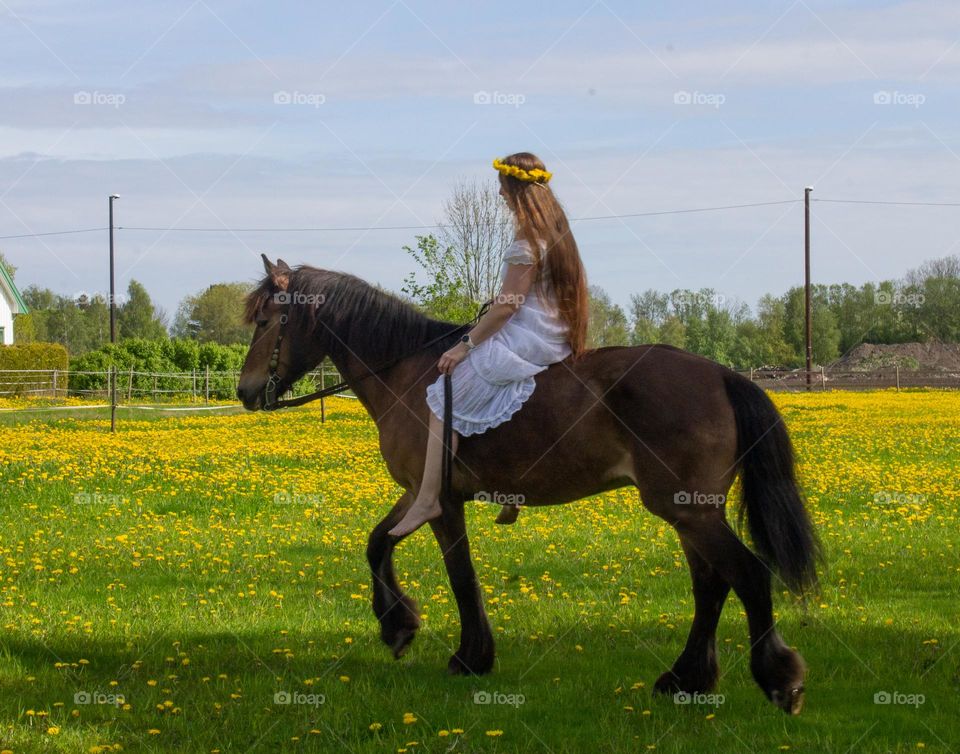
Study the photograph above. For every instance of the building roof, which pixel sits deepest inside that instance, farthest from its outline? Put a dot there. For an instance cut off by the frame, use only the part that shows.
(10, 289)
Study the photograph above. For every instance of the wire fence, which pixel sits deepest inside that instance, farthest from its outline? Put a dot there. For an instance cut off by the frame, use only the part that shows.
(205, 387)
(196, 387)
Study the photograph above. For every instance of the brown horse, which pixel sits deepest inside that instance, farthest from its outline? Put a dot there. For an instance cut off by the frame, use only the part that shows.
(677, 426)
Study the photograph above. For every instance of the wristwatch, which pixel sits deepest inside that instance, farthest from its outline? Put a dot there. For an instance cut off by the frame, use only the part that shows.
(467, 342)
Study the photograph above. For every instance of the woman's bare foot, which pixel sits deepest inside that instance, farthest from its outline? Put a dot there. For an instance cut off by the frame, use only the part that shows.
(508, 514)
(417, 516)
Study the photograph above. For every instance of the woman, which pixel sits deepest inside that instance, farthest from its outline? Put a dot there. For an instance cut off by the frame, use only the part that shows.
(538, 319)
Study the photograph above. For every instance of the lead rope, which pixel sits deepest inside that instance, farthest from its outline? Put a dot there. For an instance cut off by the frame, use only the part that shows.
(446, 478)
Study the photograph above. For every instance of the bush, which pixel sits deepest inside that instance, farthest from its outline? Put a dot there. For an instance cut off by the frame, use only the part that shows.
(32, 356)
(176, 360)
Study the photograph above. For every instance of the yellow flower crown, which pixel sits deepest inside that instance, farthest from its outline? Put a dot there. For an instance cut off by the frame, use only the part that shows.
(531, 176)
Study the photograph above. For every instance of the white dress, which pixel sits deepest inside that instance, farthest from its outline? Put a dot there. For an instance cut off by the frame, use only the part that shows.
(493, 381)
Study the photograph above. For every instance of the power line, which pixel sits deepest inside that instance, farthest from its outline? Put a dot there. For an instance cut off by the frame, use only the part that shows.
(54, 233)
(901, 204)
(440, 225)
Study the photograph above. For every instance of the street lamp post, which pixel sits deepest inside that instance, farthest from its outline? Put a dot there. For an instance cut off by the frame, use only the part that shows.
(113, 326)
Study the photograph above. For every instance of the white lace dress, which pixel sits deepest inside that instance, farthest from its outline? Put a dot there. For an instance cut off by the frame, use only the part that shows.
(492, 382)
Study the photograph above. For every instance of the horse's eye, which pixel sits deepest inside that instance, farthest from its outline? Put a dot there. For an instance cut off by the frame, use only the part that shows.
(262, 322)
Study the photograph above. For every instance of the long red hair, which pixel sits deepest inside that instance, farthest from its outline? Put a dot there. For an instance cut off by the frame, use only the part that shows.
(540, 218)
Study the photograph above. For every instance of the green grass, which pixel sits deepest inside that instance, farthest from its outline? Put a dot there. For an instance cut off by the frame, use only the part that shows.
(198, 598)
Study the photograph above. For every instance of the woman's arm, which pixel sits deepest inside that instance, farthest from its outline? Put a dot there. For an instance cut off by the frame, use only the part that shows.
(516, 284)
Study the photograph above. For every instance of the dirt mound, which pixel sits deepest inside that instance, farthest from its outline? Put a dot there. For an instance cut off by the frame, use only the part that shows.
(941, 357)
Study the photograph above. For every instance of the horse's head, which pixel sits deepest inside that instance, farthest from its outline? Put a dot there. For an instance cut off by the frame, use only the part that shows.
(281, 351)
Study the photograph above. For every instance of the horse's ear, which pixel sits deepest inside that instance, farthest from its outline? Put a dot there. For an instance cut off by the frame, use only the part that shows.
(278, 273)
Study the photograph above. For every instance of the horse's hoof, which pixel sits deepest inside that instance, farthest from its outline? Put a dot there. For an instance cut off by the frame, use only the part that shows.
(671, 682)
(401, 642)
(480, 666)
(790, 701)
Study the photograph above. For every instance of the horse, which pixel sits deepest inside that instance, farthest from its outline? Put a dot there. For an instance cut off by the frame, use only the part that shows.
(675, 425)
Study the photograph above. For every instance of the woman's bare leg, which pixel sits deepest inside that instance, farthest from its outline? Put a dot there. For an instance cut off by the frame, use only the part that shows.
(427, 505)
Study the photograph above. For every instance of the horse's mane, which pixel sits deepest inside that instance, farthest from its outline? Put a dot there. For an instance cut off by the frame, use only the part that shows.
(367, 320)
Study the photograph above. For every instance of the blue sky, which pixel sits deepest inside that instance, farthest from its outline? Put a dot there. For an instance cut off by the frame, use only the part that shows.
(240, 114)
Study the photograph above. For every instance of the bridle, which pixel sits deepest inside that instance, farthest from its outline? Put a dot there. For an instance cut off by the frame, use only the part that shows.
(270, 397)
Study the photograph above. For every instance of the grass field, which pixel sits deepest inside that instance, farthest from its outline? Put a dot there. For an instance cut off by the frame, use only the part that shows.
(198, 584)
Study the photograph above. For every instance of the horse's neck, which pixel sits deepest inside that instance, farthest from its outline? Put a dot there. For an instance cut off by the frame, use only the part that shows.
(381, 391)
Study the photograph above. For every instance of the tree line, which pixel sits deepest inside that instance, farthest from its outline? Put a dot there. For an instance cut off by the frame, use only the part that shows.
(458, 268)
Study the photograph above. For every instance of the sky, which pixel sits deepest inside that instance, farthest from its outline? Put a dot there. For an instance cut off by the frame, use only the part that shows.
(239, 115)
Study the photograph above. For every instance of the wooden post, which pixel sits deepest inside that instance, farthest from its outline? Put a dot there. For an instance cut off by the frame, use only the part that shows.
(130, 387)
(154, 393)
(823, 379)
(898, 378)
(56, 379)
(751, 374)
(206, 386)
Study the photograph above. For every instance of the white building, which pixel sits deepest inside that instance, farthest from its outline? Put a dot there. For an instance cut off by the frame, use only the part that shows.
(11, 303)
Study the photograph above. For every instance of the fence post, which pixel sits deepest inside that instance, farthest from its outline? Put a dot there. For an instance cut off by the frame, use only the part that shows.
(751, 374)
(898, 378)
(130, 387)
(823, 378)
(154, 393)
(56, 379)
(206, 385)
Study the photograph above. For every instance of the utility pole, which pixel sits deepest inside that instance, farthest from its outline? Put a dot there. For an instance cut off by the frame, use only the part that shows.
(113, 326)
(808, 306)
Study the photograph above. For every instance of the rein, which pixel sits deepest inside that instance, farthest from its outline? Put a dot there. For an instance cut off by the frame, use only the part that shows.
(270, 390)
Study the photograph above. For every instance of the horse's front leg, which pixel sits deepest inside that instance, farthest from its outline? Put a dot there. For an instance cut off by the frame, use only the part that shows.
(398, 614)
(475, 654)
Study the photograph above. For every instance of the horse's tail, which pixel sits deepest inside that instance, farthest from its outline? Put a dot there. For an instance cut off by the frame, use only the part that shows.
(777, 519)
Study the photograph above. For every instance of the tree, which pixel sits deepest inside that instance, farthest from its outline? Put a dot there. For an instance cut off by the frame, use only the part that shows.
(443, 296)
(11, 270)
(608, 323)
(477, 228)
(214, 315)
(825, 335)
(138, 317)
(648, 312)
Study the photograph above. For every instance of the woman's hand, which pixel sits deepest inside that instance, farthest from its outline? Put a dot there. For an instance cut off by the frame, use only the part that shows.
(448, 362)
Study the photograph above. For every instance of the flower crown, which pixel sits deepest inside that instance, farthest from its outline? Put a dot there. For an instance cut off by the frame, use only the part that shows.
(531, 176)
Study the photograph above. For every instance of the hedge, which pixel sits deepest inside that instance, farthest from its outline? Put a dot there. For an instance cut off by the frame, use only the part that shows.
(31, 356)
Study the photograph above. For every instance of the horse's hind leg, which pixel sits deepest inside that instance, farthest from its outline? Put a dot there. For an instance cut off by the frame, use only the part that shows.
(696, 667)
(398, 614)
(777, 669)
